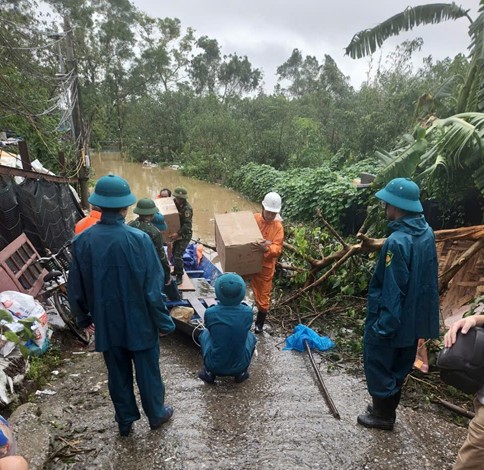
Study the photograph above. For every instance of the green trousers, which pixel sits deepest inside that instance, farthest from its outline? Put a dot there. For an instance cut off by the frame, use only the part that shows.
(179, 247)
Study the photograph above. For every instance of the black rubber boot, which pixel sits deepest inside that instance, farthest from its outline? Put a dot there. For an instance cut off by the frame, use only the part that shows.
(241, 377)
(259, 322)
(396, 399)
(382, 416)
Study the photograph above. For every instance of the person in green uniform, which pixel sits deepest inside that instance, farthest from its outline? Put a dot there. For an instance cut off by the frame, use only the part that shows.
(146, 210)
(181, 238)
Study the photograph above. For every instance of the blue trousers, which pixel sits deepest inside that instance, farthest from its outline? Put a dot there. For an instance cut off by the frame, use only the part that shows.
(386, 368)
(119, 362)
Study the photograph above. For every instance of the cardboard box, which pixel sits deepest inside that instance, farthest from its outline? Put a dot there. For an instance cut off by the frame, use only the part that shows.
(234, 234)
(167, 207)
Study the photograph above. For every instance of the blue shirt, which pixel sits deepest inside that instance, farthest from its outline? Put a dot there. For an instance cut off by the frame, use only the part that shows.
(114, 281)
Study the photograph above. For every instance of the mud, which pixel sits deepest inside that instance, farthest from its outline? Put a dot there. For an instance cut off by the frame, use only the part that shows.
(276, 419)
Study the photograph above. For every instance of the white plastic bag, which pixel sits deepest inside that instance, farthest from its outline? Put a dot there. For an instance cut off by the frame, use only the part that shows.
(20, 305)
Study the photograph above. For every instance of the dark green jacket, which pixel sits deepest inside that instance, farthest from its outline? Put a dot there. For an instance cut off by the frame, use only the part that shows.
(157, 239)
(186, 215)
(403, 295)
(114, 280)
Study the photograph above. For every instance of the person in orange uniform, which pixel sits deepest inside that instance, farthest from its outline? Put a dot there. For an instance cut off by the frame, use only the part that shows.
(270, 225)
(93, 218)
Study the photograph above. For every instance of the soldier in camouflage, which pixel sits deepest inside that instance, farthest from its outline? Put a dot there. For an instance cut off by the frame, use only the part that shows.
(181, 238)
(146, 210)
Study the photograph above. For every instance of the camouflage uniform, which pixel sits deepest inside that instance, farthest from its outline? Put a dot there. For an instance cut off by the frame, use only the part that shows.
(179, 246)
(157, 239)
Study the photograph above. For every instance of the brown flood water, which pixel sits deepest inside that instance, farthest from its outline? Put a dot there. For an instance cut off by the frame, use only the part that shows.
(206, 199)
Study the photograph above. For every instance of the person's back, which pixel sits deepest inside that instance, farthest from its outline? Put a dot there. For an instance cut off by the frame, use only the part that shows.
(115, 278)
(227, 342)
(146, 211)
(229, 328)
(114, 284)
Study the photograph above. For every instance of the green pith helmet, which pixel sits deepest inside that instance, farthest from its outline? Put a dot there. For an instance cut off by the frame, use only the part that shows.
(180, 192)
(230, 289)
(112, 192)
(402, 193)
(145, 206)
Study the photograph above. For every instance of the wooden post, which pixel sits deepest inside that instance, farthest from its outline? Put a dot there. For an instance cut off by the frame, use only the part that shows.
(24, 155)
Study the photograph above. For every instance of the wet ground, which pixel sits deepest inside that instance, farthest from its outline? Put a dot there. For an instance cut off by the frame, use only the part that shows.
(275, 420)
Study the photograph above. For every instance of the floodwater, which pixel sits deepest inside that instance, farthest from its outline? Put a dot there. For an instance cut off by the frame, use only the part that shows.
(206, 199)
(277, 419)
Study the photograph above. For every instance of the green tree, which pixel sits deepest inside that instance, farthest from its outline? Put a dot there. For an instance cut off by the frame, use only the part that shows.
(456, 142)
(302, 75)
(32, 99)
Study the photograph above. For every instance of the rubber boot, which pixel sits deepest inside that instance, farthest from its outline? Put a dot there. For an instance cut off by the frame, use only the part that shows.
(206, 376)
(259, 322)
(396, 399)
(382, 416)
(241, 377)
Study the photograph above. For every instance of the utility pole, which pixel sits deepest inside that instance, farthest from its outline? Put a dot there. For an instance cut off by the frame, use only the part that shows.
(79, 135)
(62, 74)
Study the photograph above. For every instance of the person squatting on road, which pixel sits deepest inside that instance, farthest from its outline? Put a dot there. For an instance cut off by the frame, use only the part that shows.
(116, 276)
(146, 211)
(227, 342)
(471, 454)
(181, 238)
(403, 301)
(270, 225)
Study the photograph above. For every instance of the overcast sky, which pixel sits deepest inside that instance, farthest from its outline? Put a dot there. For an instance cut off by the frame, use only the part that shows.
(267, 31)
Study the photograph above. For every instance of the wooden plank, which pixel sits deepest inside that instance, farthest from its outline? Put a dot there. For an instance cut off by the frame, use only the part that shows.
(186, 285)
(210, 301)
(9, 171)
(196, 304)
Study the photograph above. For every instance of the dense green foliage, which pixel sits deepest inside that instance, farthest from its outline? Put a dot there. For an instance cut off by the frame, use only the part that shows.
(156, 90)
(325, 188)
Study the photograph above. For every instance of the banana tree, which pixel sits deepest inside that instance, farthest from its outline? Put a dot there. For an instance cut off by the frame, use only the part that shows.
(457, 142)
(471, 95)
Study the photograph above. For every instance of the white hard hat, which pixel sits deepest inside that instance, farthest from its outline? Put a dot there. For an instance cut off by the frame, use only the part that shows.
(272, 202)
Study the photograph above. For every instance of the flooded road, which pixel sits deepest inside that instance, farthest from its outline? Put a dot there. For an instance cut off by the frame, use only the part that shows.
(206, 199)
(275, 420)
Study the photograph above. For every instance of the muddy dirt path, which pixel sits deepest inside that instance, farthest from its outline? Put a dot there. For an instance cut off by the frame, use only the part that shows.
(277, 419)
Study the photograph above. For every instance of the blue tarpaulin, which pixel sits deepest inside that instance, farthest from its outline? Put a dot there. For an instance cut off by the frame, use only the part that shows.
(301, 333)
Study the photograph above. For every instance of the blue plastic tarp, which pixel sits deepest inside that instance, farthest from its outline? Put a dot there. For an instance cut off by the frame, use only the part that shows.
(301, 333)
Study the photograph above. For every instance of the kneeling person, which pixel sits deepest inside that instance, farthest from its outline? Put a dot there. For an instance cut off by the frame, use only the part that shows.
(227, 342)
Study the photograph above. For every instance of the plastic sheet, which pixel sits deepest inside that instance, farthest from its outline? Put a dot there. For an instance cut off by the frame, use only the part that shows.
(315, 341)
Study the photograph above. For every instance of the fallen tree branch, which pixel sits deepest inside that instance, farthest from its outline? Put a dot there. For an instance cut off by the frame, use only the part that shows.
(368, 245)
(290, 267)
(325, 276)
(307, 258)
(456, 409)
(331, 229)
